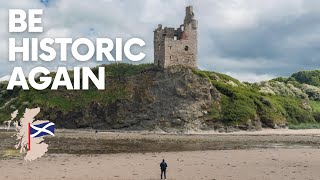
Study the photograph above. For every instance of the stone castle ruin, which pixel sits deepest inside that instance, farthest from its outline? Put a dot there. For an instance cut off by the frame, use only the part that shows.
(177, 46)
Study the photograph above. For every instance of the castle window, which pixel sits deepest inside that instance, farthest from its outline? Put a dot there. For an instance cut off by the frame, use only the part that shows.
(164, 34)
(186, 48)
(170, 57)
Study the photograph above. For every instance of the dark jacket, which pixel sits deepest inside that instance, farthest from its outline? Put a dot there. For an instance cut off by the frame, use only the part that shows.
(163, 166)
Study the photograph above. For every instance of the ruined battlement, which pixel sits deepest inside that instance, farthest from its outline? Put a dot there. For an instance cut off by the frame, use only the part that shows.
(177, 46)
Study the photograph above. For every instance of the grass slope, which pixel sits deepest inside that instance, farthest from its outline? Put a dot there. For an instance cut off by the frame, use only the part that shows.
(243, 102)
(68, 100)
(240, 103)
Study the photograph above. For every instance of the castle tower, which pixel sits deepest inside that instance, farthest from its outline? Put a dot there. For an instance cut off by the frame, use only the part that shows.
(177, 46)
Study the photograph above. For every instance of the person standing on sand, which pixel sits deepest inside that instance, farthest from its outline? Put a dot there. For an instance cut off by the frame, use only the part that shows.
(163, 167)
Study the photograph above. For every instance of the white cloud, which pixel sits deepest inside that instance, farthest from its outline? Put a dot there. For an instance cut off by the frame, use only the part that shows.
(5, 78)
(250, 77)
(238, 36)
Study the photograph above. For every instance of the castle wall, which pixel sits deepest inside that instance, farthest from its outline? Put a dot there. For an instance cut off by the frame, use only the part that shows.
(180, 52)
(177, 46)
(159, 47)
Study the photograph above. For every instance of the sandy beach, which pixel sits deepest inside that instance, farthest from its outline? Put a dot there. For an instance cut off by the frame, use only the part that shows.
(225, 164)
(270, 154)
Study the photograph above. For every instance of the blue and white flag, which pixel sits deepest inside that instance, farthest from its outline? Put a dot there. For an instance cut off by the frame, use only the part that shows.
(43, 129)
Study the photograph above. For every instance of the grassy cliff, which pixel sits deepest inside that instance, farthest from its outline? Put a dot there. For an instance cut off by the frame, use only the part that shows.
(65, 100)
(242, 103)
(280, 102)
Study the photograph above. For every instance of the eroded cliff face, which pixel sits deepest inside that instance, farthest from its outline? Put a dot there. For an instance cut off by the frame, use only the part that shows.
(175, 99)
(170, 99)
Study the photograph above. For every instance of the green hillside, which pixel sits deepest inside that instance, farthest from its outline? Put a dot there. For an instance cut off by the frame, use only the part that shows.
(277, 103)
(66, 100)
(241, 102)
(308, 77)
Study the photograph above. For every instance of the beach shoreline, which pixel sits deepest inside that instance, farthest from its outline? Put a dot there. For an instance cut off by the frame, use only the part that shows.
(106, 142)
(85, 154)
(263, 131)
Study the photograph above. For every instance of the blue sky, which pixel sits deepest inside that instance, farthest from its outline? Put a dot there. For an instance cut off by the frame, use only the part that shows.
(252, 40)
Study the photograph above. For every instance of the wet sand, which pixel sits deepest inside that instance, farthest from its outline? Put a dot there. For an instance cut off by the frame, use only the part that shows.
(225, 165)
(274, 154)
(88, 142)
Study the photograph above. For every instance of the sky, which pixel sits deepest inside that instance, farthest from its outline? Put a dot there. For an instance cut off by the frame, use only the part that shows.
(251, 40)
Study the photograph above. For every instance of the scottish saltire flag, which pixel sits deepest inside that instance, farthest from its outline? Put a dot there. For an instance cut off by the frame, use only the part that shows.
(43, 129)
